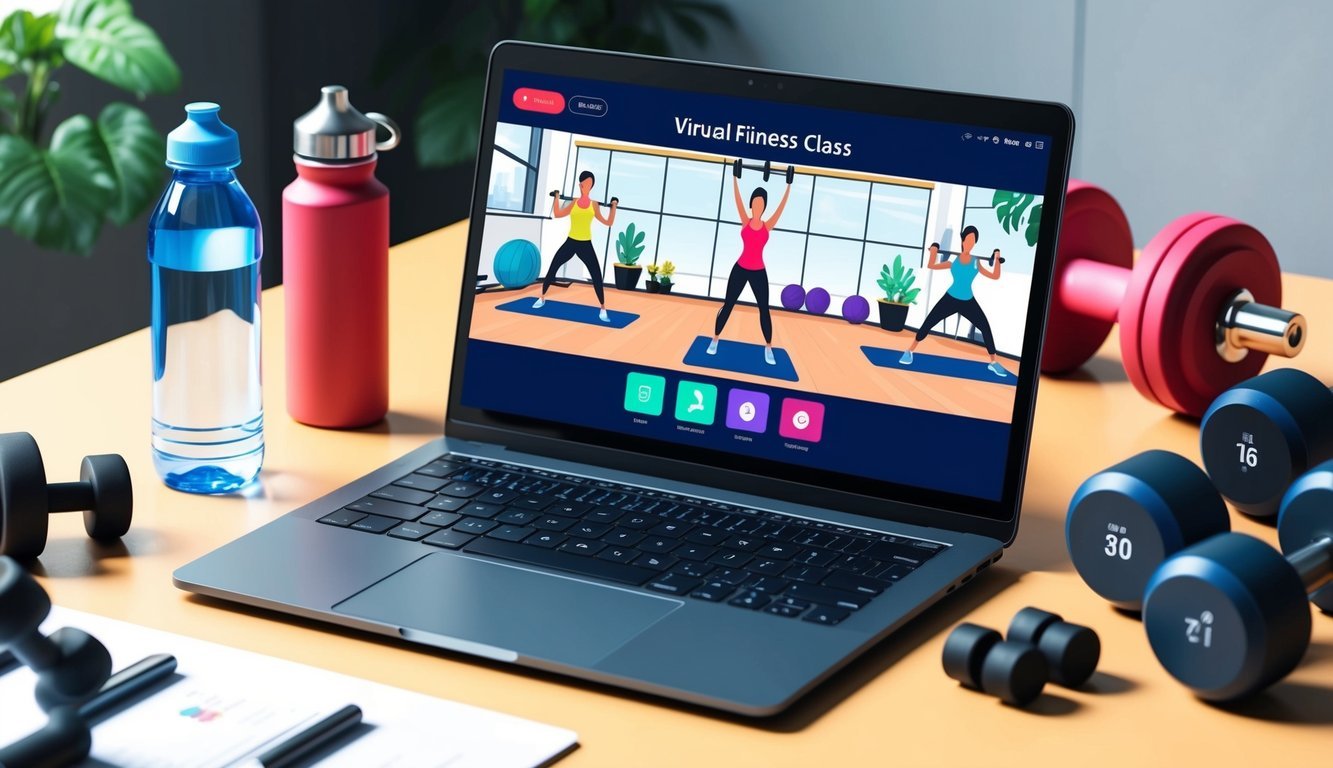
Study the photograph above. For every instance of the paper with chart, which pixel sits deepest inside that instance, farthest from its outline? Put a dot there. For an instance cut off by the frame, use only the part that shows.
(225, 705)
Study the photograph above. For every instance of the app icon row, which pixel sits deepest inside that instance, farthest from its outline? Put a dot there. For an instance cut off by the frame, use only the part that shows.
(747, 410)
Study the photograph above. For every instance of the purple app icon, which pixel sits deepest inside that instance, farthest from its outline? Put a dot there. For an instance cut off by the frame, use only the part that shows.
(747, 410)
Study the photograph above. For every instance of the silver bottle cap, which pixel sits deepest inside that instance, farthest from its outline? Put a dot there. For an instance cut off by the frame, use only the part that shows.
(335, 131)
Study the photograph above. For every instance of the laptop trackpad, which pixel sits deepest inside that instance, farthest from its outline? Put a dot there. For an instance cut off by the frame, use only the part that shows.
(499, 611)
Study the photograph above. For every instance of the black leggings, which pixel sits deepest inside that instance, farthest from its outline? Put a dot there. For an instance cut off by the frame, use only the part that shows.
(582, 249)
(758, 281)
(970, 309)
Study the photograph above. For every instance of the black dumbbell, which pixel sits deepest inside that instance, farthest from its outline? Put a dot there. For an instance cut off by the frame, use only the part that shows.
(567, 198)
(1071, 650)
(982, 660)
(737, 167)
(71, 665)
(1124, 521)
(103, 493)
(990, 258)
(1263, 433)
(65, 740)
(1228, 617)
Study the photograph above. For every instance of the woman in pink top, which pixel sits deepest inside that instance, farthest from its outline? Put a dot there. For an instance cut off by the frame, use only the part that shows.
(749, 268)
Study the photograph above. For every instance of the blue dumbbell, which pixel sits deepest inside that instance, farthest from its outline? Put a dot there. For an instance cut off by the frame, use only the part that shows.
(1228, 617)
(1126, 520)
(1263, 433)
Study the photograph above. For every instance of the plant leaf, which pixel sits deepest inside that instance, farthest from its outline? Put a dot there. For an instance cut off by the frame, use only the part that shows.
(103, 38)
(639, 237)
(1034, 225)
(446, 126)
(25, 36)
(56, 197)
(133, 153)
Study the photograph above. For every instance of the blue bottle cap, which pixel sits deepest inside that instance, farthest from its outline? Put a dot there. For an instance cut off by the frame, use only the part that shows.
(203, 141)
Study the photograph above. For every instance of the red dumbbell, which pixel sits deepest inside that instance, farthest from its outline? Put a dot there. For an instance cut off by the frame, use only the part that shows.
(1199, 312)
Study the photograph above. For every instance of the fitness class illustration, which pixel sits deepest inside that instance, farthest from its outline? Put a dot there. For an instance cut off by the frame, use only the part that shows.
(793, 304)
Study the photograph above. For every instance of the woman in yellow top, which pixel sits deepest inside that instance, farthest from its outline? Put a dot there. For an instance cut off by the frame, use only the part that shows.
(581, 212)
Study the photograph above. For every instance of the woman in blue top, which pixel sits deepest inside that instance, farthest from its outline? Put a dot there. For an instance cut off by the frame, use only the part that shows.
(958, 300)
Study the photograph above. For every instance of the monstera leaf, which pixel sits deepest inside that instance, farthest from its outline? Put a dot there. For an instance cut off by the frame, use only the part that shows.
(56, 197)
(103, 38)
(1010, 208)
(446, 126)
(133, 151)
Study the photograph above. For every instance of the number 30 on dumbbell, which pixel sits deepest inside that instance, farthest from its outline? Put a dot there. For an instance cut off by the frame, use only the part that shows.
(737, 167)
(1199, 311)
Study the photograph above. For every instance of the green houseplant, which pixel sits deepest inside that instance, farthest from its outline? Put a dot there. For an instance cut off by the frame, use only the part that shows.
(59, 192)
(1015, 212)
(896, 282)
(629, 247)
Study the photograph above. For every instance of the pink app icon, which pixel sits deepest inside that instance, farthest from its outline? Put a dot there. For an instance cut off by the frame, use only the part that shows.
(801, 420)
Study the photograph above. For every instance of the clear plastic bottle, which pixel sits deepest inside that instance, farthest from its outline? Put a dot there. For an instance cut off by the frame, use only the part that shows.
(204, 248)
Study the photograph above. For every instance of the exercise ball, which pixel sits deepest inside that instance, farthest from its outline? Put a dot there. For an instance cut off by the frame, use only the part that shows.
(517, 263)
(855, 309)
(817, 301)
(793, 296)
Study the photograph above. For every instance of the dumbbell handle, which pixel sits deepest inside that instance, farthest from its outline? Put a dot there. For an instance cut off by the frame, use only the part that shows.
(36, 652)
(1098, 289)
(70, 497)
(1314, 564)
(599, 202)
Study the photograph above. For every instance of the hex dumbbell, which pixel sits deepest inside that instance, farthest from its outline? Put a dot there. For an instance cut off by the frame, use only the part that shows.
(1199, 311)
(738, 167)
(1124, 521)
(1071, 650)
(103, 493)
(980, 659)
(1228, 617)
(1263, 433)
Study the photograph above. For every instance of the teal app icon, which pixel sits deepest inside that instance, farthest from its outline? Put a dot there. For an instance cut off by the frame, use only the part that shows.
(696, 402)
(644, 393)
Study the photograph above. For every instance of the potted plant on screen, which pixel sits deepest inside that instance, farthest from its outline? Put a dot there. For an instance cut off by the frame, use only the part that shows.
(898, 294)
(629, 247)
(665, 272)
(652, 285)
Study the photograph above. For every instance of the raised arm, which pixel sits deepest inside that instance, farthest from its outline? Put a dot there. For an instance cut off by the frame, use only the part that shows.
(773, 220)
(558, 212)
(597, 211)
(933, 262)
(740, 206)
(994, 271)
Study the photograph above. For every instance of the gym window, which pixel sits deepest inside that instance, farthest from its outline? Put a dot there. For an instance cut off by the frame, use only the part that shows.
(514, 168)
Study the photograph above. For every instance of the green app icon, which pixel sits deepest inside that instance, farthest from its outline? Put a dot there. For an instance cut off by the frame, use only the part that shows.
(644, 393)
(696, 402)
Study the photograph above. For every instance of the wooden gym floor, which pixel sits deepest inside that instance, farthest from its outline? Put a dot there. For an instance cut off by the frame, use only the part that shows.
(826, 351)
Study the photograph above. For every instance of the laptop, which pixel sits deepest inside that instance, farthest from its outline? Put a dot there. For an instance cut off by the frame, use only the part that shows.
(744, 381)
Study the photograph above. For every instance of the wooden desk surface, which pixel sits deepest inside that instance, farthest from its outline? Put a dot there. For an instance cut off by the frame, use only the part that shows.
(894, 705)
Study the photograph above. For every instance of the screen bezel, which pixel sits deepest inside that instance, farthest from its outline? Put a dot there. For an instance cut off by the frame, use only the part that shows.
(816, 487)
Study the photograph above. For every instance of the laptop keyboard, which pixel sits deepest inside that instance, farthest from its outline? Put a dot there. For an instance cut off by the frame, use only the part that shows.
(704, 550)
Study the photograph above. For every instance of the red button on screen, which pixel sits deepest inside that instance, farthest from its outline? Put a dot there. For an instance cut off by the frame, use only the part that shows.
(536, 100)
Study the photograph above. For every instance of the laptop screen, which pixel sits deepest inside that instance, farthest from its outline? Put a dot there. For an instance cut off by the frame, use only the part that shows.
(815, 288)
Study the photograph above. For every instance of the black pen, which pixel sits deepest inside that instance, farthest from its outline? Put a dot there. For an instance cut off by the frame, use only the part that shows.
(127, 683)
(305, 743)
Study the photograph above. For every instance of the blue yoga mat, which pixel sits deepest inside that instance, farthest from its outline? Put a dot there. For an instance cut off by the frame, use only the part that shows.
(938, 365)
(563, 310)
(740, 357)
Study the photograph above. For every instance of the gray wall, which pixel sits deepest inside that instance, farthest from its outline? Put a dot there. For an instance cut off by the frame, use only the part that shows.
(1218, 105)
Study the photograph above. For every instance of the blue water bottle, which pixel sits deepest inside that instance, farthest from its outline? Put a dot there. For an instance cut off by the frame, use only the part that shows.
(204, 246)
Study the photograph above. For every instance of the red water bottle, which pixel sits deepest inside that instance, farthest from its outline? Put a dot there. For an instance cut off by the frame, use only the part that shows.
(335, 266)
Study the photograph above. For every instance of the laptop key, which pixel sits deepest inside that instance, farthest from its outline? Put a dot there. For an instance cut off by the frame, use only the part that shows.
(673, 584)
(765, 567)
(412, 531)
(692, 569)
(750, 599)
(405, 495)
(730, 558)
(481, 509)
(806, 573)
(438, 469)
(777, 552)
(770, 584)
(421, 483)
(552, 523)
(386, 508)
(342, 518)
(585, 547)
(655, 561)
(658, 545)
(589, 530)
(532, 502)
(568, 508)
(440, 519)
(855, 546)
(546, 539)
(475, 525)
(697, 552)
(374, 524)
(637, 522)
(705, 536)
(792, 602)
(855, 563)
(511, 533)
(619, 554)
(816, 593)
(516, 516)
(713, 591)
(670, 529)
(886, 551)
(816, 557)
(604, 515)
(825, 615)
(497, 496)
(855, 583)
(744, 543)
(595, 567)
(449, 539)
(446, 503)
(786, 611)
(624, 537)
(462, 490)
